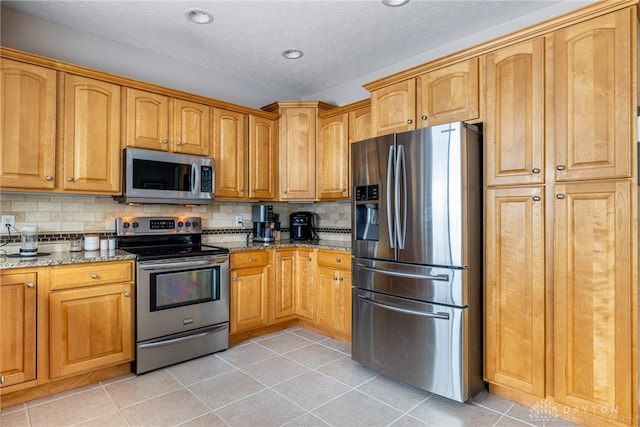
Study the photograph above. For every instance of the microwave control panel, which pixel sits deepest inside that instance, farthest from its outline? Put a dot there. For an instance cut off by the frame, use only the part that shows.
(206, 179)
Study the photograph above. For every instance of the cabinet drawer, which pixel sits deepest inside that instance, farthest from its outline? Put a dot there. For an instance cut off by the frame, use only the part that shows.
(248, 259)
(331, 259)
(90, 274)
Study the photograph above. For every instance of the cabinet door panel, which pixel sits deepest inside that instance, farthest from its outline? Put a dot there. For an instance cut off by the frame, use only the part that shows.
(192, 128)
(248, 298)
(592, 94)
(90, 328)
(448, 94)
(333, 158)
(285, 283)
(393, 108)
(146, 120)
(360, 124)
(91, 136)
(230, 153)
(514, 289)
(27, 126)
(514, 126)
(298, 153)
(305, 284)
(262, 158)
(593, 296)
(18, 327)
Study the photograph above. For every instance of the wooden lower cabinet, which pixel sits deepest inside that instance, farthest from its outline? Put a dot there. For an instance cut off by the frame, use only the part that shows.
(514, 293)
(91, 322)
(593, 298)
(333, 291)
(249, 290)
(18, 297)
(285, 282)
(305, 284)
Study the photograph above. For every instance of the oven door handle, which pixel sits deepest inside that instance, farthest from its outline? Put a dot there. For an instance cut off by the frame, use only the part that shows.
(183, 339)
(182, 264)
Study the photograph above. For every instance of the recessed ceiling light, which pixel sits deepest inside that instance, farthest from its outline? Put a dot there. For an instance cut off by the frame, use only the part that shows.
(394, 3)
(199, 16)
(292, 54)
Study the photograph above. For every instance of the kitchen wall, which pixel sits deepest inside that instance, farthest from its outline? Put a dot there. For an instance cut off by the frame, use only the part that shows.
(59, 216)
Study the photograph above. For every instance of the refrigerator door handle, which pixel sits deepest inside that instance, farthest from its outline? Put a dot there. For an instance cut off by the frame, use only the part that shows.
(437, 315)
(401, 198)
(438, 277)
(392, 240)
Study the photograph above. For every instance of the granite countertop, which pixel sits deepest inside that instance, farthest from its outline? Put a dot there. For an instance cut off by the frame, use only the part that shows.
(334, 245)
(63, 258)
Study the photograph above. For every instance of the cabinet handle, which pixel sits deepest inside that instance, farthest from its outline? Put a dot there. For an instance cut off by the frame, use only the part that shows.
(30, 285)
(560, 167)
(165, 141)
(70, 178)
(1, 379)
(409, 121)
(536, 198)
(179, 143)
(560, 196)
(94, 276)
(536, 170)
(48, 178)
(424, 117)
(127, 294)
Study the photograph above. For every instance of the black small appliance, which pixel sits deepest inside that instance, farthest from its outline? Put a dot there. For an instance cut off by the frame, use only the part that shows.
(264, 223)
(303, 226)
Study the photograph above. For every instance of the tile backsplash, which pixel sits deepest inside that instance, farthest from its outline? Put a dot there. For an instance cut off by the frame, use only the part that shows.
(55, 214)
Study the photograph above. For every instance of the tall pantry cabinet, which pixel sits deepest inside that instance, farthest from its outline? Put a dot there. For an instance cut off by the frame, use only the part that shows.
(561, 219)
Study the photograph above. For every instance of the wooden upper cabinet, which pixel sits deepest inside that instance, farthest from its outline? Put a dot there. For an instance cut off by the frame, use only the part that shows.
(448, 94)
(333, 158)
(18, 294)
(594, 297)
(514, 127)
(146, 118)
(263, 160)
(360, 124)
(591, 66)
(192, 127)
(514, 290)
(393, 108)
(230, 146)
(27, 126)
(91, 156)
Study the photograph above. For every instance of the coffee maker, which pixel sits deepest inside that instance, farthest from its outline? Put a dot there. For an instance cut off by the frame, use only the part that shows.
(263, 223)
(303, 225)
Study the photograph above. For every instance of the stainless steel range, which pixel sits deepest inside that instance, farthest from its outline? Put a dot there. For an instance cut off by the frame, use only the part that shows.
(182, 290)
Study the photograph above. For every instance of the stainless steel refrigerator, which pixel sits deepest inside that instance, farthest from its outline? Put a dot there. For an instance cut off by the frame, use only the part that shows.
(417, 266)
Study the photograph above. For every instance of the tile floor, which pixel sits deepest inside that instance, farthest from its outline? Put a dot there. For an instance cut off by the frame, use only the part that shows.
(295, 377)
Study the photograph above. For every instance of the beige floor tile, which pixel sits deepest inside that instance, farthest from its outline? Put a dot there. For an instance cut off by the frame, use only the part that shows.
(113, 419)
(199, 369)
(546, 414)
(349, 372)
(276, 370)
(409, 421)
(309, 334)
(507, 421)
(63, 394)
(246, 354)
(142, 387)
(262, 409)
(395, 393)
(306, 420)
(311, 390)
(166, 410)
(491, 401)
(15, 419)
(356, 409)
(315, 356)
(285, 343)
(72, 409)
(438, 411)
(117, 379)
(209, 419)
(341, 346)
(225, 389)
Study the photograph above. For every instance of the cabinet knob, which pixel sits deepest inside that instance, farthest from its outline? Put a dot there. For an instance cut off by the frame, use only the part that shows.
(335, 278)
(424, 117)
(284, 191)
(536, 170)
(94, 276)
(30, 285)
(560, 167)
(242, 189)
(341, 278)
(178, 142)
(1, 379)
(127, 294)
(70, 178)
(409, 121)
(48, 178)
(338, 260)
(560, 196)
(536, 198)
(165, 141)
(235, 279)
(309, 259)
(344, 190)
(250, 259)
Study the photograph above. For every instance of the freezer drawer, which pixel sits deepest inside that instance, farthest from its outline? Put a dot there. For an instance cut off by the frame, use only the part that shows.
(439, 285)
(421, 344)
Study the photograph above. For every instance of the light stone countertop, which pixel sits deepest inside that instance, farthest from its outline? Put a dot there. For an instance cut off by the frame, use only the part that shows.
(334, 245)
(63, 258)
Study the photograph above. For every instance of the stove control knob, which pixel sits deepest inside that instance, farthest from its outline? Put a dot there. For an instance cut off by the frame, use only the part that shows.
(125, 225)
(180, 224)
(195, 223)
(188, 224)
(135, 225)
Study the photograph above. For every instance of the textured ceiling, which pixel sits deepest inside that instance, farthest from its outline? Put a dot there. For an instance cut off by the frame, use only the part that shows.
(341, 40)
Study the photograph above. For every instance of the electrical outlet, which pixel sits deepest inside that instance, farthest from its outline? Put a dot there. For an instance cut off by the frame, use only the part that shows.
(8, 220)
(239, 220)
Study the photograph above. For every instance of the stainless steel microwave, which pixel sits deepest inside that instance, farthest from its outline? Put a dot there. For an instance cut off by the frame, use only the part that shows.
(159, 177)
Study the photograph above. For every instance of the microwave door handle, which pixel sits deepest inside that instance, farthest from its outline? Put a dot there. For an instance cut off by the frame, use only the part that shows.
(390, 224)
(194, 175)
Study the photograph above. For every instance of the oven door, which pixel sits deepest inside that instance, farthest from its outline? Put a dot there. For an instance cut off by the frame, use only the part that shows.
(178, 295)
